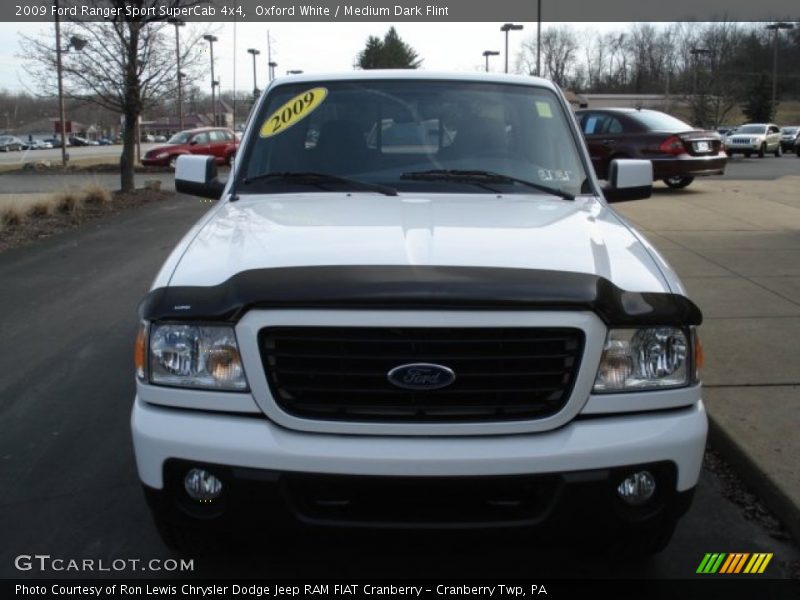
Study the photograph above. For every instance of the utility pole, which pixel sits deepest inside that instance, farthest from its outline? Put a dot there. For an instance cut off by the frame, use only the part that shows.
(61, 114)
(178, 24)
(255, 53)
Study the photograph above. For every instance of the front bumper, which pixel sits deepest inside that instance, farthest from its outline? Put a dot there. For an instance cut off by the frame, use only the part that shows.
(156, 162)
(676, 436)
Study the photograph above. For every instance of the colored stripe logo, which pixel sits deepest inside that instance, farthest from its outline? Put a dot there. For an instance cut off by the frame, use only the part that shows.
(734, 563)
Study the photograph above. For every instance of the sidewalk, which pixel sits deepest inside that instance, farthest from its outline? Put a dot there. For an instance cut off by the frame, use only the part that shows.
(736, 246)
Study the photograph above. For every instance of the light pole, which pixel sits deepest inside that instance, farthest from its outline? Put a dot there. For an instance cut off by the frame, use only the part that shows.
(506, 28)
(699, 109)
(539, 38)
(78, 44)
(255, 53)
(487, 54)
(211, 39)
(775, 27)
(272, 65)
(178, 24)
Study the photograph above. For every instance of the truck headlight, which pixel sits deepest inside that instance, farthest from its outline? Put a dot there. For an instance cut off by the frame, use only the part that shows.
(196, 356)
(644, 359)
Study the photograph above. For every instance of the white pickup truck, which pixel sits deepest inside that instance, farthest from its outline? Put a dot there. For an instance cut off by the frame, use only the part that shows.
(412, 307)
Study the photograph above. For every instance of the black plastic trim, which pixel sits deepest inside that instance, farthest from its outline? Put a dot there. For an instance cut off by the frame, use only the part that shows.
(417, 287)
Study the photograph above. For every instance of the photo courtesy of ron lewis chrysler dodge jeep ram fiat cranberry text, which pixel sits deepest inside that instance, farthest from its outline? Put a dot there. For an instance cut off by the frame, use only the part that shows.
(413, 307)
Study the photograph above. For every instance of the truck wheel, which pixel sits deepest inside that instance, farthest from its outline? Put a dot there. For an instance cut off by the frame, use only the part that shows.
(762, 151)
(778, 151)
(677, 182)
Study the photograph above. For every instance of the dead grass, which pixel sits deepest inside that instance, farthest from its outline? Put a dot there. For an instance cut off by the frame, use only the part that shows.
(10, 217)
(69, 202)
(40, 209)
(96, 194)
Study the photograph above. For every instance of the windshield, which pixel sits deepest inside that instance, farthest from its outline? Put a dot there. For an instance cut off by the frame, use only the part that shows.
(751, 129)
(180, 138)
(380, 131)
(657, 121)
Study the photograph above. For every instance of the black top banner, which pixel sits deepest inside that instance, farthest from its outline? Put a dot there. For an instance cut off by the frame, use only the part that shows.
(402, 10)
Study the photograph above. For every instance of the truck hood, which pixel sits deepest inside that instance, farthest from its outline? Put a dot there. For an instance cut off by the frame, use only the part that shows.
(480, 230)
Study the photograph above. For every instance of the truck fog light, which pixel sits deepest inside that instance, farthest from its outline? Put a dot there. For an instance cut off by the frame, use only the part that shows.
(202, 485)
(638, 488)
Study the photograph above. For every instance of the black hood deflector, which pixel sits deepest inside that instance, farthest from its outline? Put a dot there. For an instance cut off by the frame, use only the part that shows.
(417, 287)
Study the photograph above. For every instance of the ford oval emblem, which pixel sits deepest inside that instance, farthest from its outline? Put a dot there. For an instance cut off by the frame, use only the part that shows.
(421, 376)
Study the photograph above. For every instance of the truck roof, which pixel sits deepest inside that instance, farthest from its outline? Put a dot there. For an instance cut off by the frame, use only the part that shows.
(415, 74)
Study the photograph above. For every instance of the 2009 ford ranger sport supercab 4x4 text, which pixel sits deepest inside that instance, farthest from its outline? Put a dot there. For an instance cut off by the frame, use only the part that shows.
(413, 307)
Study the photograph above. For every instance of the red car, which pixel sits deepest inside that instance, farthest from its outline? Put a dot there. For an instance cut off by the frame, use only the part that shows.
(212, 141)
(678, 151)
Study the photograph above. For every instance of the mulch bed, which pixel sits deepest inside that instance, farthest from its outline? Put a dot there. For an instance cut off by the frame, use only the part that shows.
(32, 229)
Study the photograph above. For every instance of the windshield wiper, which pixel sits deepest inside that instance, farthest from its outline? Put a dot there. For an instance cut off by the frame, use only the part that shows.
(482, 177)
(320, 179)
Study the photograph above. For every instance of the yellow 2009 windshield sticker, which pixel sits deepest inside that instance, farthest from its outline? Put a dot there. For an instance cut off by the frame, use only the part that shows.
(293, 111)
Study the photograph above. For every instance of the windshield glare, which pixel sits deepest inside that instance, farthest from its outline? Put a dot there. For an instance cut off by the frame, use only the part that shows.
(376, 131)
(180, 138)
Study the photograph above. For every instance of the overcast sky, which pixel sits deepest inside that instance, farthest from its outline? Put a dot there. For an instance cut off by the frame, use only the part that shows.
(320, 47)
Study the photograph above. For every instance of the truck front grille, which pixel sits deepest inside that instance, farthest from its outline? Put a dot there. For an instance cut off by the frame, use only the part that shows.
(341, 373)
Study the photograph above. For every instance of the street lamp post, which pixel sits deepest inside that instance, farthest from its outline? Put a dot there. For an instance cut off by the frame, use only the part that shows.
(775, 27)
(539, 38)
(211, 39)
(255, 53)
(178, 24)
(699, 112)
(487, 54)
(506, 28)
(78, 44)
(272, 65)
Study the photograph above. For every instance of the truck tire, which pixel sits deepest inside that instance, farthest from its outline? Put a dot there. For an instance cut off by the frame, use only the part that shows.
(762, 151)
(678, 182)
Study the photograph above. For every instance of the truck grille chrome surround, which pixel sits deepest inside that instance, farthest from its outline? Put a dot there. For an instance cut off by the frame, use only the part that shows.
(501, 373)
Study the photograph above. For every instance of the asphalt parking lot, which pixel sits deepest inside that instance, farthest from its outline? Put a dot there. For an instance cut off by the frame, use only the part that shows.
(68, 485)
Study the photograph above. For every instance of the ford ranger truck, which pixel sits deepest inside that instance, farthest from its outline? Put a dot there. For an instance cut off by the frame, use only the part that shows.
(413, 307)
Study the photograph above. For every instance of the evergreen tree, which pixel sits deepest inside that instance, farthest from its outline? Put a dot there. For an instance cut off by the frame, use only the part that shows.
(389, 53)
(758, 103)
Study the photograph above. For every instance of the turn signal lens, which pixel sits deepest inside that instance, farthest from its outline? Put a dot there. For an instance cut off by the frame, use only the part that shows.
(699, 356)
(140, 350)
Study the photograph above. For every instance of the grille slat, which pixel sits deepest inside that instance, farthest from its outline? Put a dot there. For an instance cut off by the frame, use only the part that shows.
(340, 373)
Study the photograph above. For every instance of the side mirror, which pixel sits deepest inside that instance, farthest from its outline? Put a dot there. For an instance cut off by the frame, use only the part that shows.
(629, 180)
(197, 175)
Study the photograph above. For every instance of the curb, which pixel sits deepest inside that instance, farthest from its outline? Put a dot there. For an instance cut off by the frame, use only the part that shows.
(769, 491)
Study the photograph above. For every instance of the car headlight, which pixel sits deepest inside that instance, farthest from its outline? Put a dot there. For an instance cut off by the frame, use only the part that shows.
(188, 355)
(162, 155)
(645, 359)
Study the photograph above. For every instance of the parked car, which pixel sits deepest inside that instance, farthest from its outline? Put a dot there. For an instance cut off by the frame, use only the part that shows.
(789, 135)
(38, 145)
(160, 138)
(755, 138)
(797, 147)
(10, 142)
(76, 140)
(148, 138)
(462, 334)
(105, 142)
(214, 141)
(678, 151)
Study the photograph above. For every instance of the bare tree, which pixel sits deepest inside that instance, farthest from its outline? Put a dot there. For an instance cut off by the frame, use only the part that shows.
(559, 54)
(127, 66)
